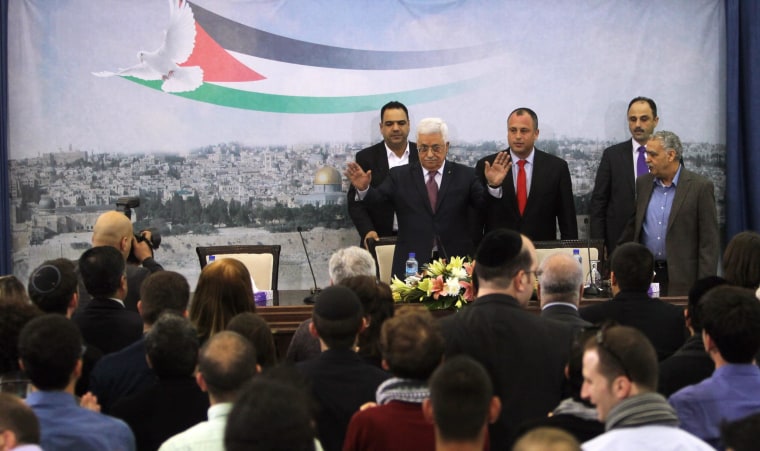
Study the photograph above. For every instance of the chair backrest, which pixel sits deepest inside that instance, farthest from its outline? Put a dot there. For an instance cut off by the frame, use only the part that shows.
(382, 251)
(547, 248)
(262, 261)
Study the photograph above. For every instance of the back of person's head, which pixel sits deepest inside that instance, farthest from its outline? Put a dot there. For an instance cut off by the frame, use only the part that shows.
(350, 261)
(412, 343)
(18, 418)
(224, 289)
(547, 439)
(633, 265)
(257, 331)
(114, 229)
(741, 260)
(500, 256)
(172, 347)
(696, 294)
(102, 269)
(53, 284)
(377, 302)
(163, 291)
(560, 277)
(12, 289)
(270, 415)
(742, 434)
(49, 348)
(337, 317)
(227, 362)
(461, 393)
(731, 317)
(625, 351)
(13, 317)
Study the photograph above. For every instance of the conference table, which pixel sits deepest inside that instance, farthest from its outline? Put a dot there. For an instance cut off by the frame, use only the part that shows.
(289, 310)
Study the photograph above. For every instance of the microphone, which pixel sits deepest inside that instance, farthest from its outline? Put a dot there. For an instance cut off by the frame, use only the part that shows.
(316, 289)
(441, 249)
(590, 290)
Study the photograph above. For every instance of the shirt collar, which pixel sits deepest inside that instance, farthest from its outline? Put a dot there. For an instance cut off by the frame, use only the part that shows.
(439, 170)
(568, 304)
(390, 153)
(658, 182)
(514, 158)
(119, 301)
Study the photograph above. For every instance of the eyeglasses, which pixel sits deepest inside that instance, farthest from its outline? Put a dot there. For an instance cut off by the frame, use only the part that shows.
(602, 345)
(437, 149)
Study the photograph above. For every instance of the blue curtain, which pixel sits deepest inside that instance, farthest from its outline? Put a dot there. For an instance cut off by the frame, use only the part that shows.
(6, 240)
(743, 116)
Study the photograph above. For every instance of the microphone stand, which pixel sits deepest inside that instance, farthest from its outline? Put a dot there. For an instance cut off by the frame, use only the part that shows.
(315, 290)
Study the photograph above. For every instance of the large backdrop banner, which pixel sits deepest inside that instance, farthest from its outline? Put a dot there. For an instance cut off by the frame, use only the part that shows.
(247, 138)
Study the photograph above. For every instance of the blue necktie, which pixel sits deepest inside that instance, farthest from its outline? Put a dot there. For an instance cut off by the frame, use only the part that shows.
(641, 162)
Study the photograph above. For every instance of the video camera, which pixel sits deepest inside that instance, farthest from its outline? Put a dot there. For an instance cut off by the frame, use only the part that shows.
(125, 205)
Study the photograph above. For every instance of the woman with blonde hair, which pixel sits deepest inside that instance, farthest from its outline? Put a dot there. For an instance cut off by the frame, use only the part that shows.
(224, 289)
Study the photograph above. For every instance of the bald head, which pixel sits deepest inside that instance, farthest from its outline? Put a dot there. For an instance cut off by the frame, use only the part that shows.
(113, 229)
(226, 362)
(560, 279)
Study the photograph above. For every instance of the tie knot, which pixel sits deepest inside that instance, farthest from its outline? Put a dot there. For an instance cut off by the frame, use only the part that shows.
(432, 174)
(521, 163)
(642, 149)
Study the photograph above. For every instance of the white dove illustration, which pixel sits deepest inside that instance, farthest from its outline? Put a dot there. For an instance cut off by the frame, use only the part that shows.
(163, 64)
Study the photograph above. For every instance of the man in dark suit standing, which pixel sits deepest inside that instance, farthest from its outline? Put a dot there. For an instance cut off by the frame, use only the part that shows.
(524, 354)
(675, 218)
(431, 198)
(560, 289)
(613, 200)
(395, 150)
(538, 192)
(631, 270)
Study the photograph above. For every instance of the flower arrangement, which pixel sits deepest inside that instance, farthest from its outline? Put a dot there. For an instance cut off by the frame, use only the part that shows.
(439, 286)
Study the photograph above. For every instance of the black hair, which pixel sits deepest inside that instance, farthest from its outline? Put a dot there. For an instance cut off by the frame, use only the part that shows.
(731, 317)
(101, 269)
(49, 347)
(163, 291)
(633, 265)
(651, 103)
(172, 346)
(393, 105)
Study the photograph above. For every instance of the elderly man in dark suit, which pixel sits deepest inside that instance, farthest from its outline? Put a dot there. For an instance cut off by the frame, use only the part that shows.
(524, 354)
(560, 289)
(538, 192)
(675, 218)
(395, 150)
(614, 197)
(431, 198)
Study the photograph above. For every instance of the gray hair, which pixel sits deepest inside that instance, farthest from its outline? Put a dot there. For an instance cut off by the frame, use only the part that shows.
(349, 262)
(433, 125)
(560, 276)
(669, 140)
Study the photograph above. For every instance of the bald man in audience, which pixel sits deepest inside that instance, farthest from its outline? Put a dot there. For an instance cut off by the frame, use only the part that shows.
(560, 288)
(114, 229)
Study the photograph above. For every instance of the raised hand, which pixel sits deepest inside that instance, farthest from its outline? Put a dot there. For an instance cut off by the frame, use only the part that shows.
(357, 176)
(496, 172)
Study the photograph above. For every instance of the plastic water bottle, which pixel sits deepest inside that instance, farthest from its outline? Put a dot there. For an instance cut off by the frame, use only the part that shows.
(594, 277)
(577, 256)
(411, 265)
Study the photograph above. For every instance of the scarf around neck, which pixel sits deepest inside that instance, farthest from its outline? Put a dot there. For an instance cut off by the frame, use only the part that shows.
(640, 410)
(404, 390)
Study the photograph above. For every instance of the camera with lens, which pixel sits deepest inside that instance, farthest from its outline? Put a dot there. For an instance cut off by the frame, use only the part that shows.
(125, 205)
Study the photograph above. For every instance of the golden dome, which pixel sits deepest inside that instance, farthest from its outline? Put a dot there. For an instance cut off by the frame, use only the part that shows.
(327, 176)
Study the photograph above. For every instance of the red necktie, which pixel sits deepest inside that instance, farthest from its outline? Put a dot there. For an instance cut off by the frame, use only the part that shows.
(522, 187)
(432, 189)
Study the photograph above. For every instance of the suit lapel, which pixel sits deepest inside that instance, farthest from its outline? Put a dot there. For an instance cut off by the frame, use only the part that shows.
(642, 201)
(627, 163)
(448, 174)
(418, 181)
(682, 189)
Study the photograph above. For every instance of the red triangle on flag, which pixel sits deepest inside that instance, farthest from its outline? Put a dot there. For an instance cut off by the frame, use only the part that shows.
(217, 64)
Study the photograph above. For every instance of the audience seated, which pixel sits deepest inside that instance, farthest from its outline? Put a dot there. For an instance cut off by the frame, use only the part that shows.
(620, 379)
(176, 402)
(105, 323)
(412, 348)
(224, 289)
(270, 415)
(344, 263)
(340, 381)
(731, 332)
(19, 427)
(524, 354)
(631, 272)
(13, 317)
(741, 260)
(547, 439)
(255, 328)
(574, 414)
(127, 372)
(691, 363)
(560, 289)
(12, 290)
(53, 288)
(461, 404)
(742, 434)
(227, 362)
(50, 349)
(377, 303)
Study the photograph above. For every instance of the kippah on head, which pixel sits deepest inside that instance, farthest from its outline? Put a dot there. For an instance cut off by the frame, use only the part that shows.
(499, 247)
(44, 279)
(337, 303)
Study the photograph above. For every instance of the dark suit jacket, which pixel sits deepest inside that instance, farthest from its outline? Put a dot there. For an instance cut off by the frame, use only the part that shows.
(550, 201)
(613, 200)
(418, 226)
(121, 374)
(688, 366)
(107, 325)
(524, 354)
(340, 383)
(565, 314)
(378, 217)
(161, 411)
(692, 241)
(660, 321)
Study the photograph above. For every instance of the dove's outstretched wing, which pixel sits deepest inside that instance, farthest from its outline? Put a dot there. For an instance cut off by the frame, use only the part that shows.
(141, 71)
(179, 38)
